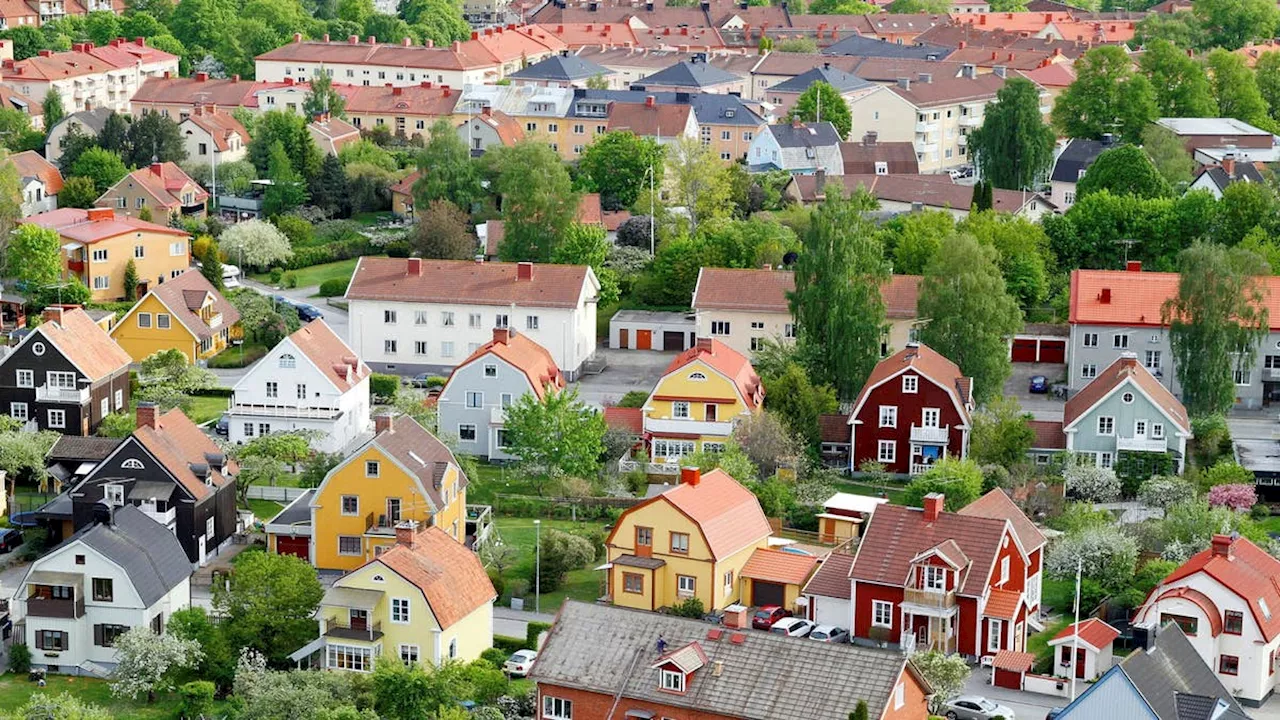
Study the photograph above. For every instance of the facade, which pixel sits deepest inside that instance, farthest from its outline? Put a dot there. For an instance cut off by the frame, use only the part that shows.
(213, 137)
(66, 375)
(87, 76)
(699, 399)
(899, 194)
(310, 381)
(419, 315)
(1217, 177)
(1070, 166)
(123, 572)
(408, 112)
(1125, 409)
(843, 515)
(88, 122)
(915, 409)
(186, 314)
(163, 188)
(692, 540)
(98, 244)
(40, 182)
(799, 148)
(872, 157)
(403, 474)
(472, 404)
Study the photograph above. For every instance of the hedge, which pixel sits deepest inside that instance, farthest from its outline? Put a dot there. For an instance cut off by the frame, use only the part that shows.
(509, 644)
(332, 252)
(213, 392)
(384, 386)
(333, 287)
(533, 630)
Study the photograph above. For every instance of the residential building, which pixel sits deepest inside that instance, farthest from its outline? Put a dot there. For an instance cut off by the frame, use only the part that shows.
(833, 432)
(1126, 410)
(88, 122)
(16, 14)
(213, 136)
(1049, 441)
(426, 599)
(1215, 178)
(564, 70)
(1070, 166)
(1083, 649)
(1166, 680)
(743, 308)
(310, 381)
(908, 193)
(66, 375)
(14, 100)
(689, 541)
(664, 123)
(893, 37)
(915, 409)
(162, 188)
(122, 572)
(1223, 599)
(89, 77)
(40, 182)
(420, 315)
(725, 122)
(668, 666)
(186, 314)
(799, 148)
(783, 96)
(693, 75)
(1209, 140)
(490, 129)
(402, 195)
(99, 243)
(699, 399)
(629, 64)
(331, 134)
(178, 97)
(408, 111)
(402, 474)
(171, 471)
(872, 157)
(472, 404)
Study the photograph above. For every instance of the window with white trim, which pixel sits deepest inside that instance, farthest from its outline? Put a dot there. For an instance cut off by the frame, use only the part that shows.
(372, 468)
(1091, 340)
(349, 545)
(881, 613)
(57, 418)
(113, 494)
(728, 582)
(119, 400)
(887, 451)
(994, 629)
(163, 321)
(1157, 431)
(1119, 341)
(349, 657)
(350, 504)
(474, 399)
(673, 680)
(26, 378)
(888, 416)
(910, 384)
(132, 464)
(408, 654)
(1004, 569)
(686, 585)
(935, 578)
(1105, 460)
(399, 610)
(720, 327)
(467, 432)
(680, 409)
(1106, 425)
(288, 361)
(554, 708)
(18, 411)
(1088, 371)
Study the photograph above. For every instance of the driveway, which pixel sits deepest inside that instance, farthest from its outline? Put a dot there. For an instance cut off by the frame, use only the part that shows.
(1025, 705)
(626, 370)
(336, 318)
(1041, 406)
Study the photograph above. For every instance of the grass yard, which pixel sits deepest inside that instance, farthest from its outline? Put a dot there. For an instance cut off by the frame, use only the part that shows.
(1038, 644)
(264, 510)
(316, 274)
(494, 479)
(370, 219)
(1270, 524)
(1059, 595)
(238, 356)
(857, 488)
(15, 690)
(207, 407)
(584, 584)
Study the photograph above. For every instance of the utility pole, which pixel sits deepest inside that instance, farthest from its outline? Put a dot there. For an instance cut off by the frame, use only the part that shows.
(537, 569)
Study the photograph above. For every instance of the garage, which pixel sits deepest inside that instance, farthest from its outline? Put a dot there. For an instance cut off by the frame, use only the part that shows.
(1024, 350)
(767, 593)
(1053, 351)
(651, 330)
(1040, 343)
(296, 546)
(1009, 667)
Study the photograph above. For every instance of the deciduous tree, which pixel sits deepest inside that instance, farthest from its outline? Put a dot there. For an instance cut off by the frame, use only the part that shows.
(1181, 85)
(104, 167)
(588, 245)
(287, 190)
(1168, 154)
(255, 243)
(1107, 96)
(1125, 170)
(822, 103)
(155, 138)
(146, 662)
(442, 232)
(697, 181)
(1001, 435)
(1232, 23)
(1236, 88)
(268, 604)
(799, 402)
(538, 202)
(34, 256)
(78, 192)
(946, 674)
(960, 480)
(556, 435)
(1014, 148)
(617, 166)
(52, 105)
(447, 170)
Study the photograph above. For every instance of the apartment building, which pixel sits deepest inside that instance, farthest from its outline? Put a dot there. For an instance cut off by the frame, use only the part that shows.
(408, 111)
(177, 97)
(88, 76)
(630, 64)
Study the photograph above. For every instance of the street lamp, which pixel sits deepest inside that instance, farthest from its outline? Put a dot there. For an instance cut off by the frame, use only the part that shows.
(650, 173)
(537, 566)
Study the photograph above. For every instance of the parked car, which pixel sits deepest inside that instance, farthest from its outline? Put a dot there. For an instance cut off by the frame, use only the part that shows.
(223, 426)
(791, 627)
(974, 707)
(519, 663)
(418, 381)
(830, 634)
(9, 539)
(307, 313)
(767, 615)
(1039, 384)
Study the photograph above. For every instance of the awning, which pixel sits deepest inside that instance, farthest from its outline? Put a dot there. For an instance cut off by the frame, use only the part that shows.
(605, 566)
(307, 650)
(649, 563)
(148, 490)
(357, 598)
(49, 577)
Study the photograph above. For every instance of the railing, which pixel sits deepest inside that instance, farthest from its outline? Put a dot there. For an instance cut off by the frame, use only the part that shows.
(379, 524)
(927, 147)
(215, 321)
(497, 415)
(338, 628)
(1141, 444)
(479, 524)
(920, 468)
(971, 121)
(76, 266)
(930, 434)
(283, 411)
(1271, 373)
(164, 518)
(929, 598)
(926, 127)
(55, 607)
(693, 427)
(650, 468)
(48, 393)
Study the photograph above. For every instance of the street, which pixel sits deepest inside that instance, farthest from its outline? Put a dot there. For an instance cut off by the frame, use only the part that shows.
(336, 318)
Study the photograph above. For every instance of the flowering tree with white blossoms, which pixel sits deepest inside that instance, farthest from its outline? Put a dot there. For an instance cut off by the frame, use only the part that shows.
(1104, 553)
(146, 659)
(1091, 483)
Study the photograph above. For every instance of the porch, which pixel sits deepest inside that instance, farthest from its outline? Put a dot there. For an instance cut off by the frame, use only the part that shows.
(929, 620)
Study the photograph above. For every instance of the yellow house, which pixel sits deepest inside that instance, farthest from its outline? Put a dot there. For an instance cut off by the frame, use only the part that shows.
(98, 244)
(186, 314)
(403, 474)
(695, 404)
(692, 540)
(426, 599)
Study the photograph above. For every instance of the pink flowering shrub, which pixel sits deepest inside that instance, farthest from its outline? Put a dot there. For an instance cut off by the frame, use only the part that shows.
(1238, 497)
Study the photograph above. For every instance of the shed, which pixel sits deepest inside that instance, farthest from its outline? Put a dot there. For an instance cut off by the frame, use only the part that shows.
(1009, 667)
(651, 330)
(1040, 343)
(1262, 458)
(1093, 649)
(843, 513)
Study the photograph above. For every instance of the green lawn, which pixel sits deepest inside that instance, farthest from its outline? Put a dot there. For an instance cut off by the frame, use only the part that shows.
(238, 356)
(495, 479)
(857, 488)
(1038, 644)
(264, 510)
(1270, 524)
(207, 407)
(15, 690)
(316, 274)
(370, 219)
(1060, 595)
(584, 584)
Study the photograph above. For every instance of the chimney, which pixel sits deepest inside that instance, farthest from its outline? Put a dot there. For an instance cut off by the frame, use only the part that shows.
(326, 37)
(157, 169)
(796, 123)
(704, 344)
(486, 111)
(690, 476)
(140, 41)
(524, 271)
(1222, 546)
(202, 77)
(819, 181)
(382, 423)
(963, 44)
(46, 53)
(397, 91)
(457, 46)
(407, 42)
(1048, 18)
(475, 35)
(1108, 139)
(1133, 266)
(503, 335)
(1000, 71)
(148, 415)
(373, 40)
(95, 214)
(649, 101)
(933, 503)
(1128, 360)
(415, 266)
(1229, 165)
(405, 532)
(288, 82)
(445, 90)
(1104, 297)
(353, 39)
(235, 79)
(870, 138)
(53, 313)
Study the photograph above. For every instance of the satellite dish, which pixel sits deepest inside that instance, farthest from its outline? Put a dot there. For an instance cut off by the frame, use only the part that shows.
(790, 258)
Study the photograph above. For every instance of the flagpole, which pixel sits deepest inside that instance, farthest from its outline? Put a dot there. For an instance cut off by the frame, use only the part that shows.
(1075, 634)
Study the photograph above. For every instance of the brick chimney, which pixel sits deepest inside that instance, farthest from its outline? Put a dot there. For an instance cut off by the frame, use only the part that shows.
(1104, 297)
(373, 40)
(1222, 546)
(1229, 165)
(148, 415)
(405, 533)
(650, 101)
(415, 266)
(297, 37)
(202, 77)
(353, 39)
(95, 214)
(46, 53)
(870, 138)
(157, 169)
(933, 504)
(524, 271)
(140, 41)
(397, 91)
(704, 344)
(503, 335)
(382, 423)
(690, 476)
(1133, 266)
(53, 313)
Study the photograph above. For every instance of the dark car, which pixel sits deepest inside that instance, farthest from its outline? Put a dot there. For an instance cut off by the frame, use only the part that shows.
(307, 313)
(767, 615)
(9, 539)
(223, 426)
(419, 380)
(1039, 384)
(1053, 713)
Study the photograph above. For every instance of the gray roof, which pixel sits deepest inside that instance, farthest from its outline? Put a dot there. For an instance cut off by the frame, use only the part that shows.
(563, 68)
(607, 649)
(85, 449)
(1078, 155)
(1244, 172)
(1260, 456)
(874, 47)
(690, 74)
(148, 553)
(842, 81)
(653, 316)
(1170, 667)
(298, 511)
(821, 134)
(92, 120)
(712, 108)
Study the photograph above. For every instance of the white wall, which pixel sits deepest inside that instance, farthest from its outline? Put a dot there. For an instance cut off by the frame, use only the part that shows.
(193, 136)
(277, 71)
(830, 611)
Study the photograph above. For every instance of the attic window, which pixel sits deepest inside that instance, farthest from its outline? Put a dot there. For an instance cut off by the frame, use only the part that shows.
(1266, 611)
(37, 348)
(1127, 398)
(131, 464)
(673, 681)
(288, 361)
(378, 579)
(698, 377)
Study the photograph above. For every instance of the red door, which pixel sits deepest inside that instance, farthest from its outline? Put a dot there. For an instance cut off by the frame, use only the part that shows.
(1008, 679)
(1080, 663)
(1024, 350)
(644, 339)
(623, 338)
(1053, 351)
(296, 546)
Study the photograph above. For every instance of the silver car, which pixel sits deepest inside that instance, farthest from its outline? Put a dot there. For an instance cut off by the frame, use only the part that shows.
(830, 634)
(974, 707)
(792, 627)
(519, 663)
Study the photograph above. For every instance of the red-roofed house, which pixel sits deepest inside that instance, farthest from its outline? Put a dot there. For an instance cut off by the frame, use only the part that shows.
(698, 400)
(1091, 640)
(914, 410)
(473, 402)
(1226, 600)
(162, 187)
(213, 136)
(41, 182)
(331, 134)
(89, 77)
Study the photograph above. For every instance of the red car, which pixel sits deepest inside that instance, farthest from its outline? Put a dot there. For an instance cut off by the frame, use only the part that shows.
(767, 615)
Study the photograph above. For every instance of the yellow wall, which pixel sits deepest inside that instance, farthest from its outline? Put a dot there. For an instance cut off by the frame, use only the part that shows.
(142, 342)
(422, 628)
(790, 594)
(677, 384)
(155, 263)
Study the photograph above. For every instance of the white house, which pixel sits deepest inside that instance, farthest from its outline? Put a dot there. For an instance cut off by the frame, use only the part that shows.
(213, 137)
(799, 148)
(40, 182)
(414, 315)
(87, 76)
(1091, 642)
(1226, 601)
(122, 572)
(311, 380)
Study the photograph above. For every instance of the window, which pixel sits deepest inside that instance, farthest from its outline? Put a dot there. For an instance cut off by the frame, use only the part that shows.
(248, 429)
(57, 418)
(400, 610)
(757, 344)
(881, 613)
(680, 543)
(1139, 428)
(680, 409)
(467, 432)
(1120, 341)
(372, 468)
(288, 361)
(349, 657)
(1157, 431)
(531, 322)
(474, 399)
(789, 330)
(178, 248)
(408, 654)
(55, 640)
(1240, 376)
(930, 417)
(712, 447)
(264, 428)
(453, 647)
(1088, 371)
(113, 494)
(1105, 460)
(910, 384)
(99, 255)
(491, 370)
(348, 545)
(26, 378)
(501, 320)
(672, 448)
(273, 389)
(419, 347)
(1127, 398)
(105, 406)
(389, 347)
(18, 411)
(1233, 622)
(685, 585)
(350, 504)
(202, 149)
(389, 317)
(37, 348)
(673, 681)
(393, 510)
(1152, 360)
(633, 583)
(101, 282)
(139, 251)
(446, 349)
(1004, 569)
(507, 399)
(935, 578)
(446, 319)
(105, 635)
(502, 438)
(1228, 665)
(1106, 425)
(1091, 340)
(888, 416)
(728, 582)
(899, 696)
(119, 399)
(209, 528)
(994, 630)
(719, 327)
(103, 590)
(554, 708)
(473, 321)
(420, 317)
(887, 451)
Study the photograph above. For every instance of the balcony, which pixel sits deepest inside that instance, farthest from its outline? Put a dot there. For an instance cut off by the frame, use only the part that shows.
(497, 416)
(920, 468)
(963, 140)
(479, 525)
(55, 608)
(48, 393)
(929, 599)
(626, 465)
(347, 630)
(1272, 374)
(926, 127)
(164, 517)
(927, 147)
(283, 411)
(971, 121)
(215, 321)
(76, 266)
(1141, 444)
(380, 524)
(930, 435)
(687, 427)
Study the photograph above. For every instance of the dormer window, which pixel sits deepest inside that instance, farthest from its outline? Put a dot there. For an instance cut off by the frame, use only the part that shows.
(673, 681)
(288, 361)
(935, 578)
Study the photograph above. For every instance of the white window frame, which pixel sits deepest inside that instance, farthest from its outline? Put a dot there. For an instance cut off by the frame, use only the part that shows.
(1120, 341)
(680, 410)
(1106, 425)
(1106, 460)
(692, 583)
(474, 399)
(910, 384)
(931, 418)
(372, 468)
(554, 708)
(935, 578)
(400, 610)
(1090, 340)
(879, 608)
(474, 433)
(25, 378)
(18, 411)
(1157, 431)
(113, 494)
(57, 419)
(888, 416)
(886, 457)
(672, 680)
(359, 549)
(409, 654)
(1088, 371)
(995, 634)
(342, 505)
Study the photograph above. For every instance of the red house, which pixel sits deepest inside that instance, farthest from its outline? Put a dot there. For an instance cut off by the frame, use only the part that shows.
(914, 410)
(966, 582)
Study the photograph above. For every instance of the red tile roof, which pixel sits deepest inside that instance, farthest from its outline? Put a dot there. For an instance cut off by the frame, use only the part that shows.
(623, 418)
(32, 164)
(1053, 75)
(328, 352)
(405, 185)
(766, 290)
(451, 577)
(525, 355)
(1249, 572)
(184, 296)
(998, 504)
(576, 35)
(177, 443)
(15, 100)
(834, 428)
(221, 126)
(1002, 604)
(468, 282)
(74, 224)
(84, 343)
(832, 577)
(929, 363)
(779, 566)
(199, 90)
(660, 120)
(728, 514)
(1197, 598)
(164, 182)
(1094, 632)
(1049, 435)
(896, 534)
(728, 362)
(411, 100)
(510, 131)
(1014, 661)
(950, 90)
(1135, 298)
(1125, 370)
(50, 66)
(482, 51)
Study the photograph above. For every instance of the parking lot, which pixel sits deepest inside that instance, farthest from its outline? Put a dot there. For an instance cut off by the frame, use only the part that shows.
(626, 370)
(1043, 406)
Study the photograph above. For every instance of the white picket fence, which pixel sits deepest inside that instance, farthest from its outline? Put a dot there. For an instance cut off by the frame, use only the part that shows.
(275, 494)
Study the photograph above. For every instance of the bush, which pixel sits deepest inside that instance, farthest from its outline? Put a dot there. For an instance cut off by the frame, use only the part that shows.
(197, 698)
(1091, 484)
(1260, 511)
(298, 231)
(383, 387)
(1238, 497)
(690, 608)
(291, 280)
(333, 287)
(436, 381)
(19, 658)
(532, 631)
(518, 587)
(507, 645)
(634, 399)
(495, 655)
(276, 273)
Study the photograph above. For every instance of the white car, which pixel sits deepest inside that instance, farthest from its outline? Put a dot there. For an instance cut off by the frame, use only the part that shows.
(830, 634)
(792, 627)
(519, 663)
(974, 707)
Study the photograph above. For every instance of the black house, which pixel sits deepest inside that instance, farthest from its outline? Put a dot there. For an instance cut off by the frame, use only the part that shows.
(66, 374)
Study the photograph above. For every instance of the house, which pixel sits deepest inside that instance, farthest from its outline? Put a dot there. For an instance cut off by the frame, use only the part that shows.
(1049, 441)
(402, 195)
(915, 408)
(907, 193)
(186, 314)
(425, 599)
(1070, 165)
(743, 308)
(173, 473)
(629, 64)
(691, 540)
(66, 375)
(693, 75)
(403, 473)
(310, 381)
(1215, 178)
(71, 458)
(955, 582)
(40, 182)
(833, 431)
(213, 136)
(564, 70)
(408, 111)
(88, 122)
(163, 188)
(875, 46)
(872, 157)
(1223, 599)
(99, 244)
(665, 123)
(1090, 641)
(14, 100)
(449, 309)
(123, 571)
(799, 148)
(88, 76)
(783, 96)
(331, 134)
(698, 400)
(1123, 410)
(490, 129)
(473, 402)
(654, 666)
(843, 514)
(1209, 140)
(1163, 681)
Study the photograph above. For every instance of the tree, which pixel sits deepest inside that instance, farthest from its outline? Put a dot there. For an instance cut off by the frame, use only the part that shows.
(63, 706)
(1165, 491)
(1168, 154)
(1189, 526)
(1244, 207)
(912, 239)
(78, 192)
(555, 435)
(617, 166)
(16, 132)
(1023, 248)
(117, 425)
(169, 380)
(367, 151)
(822, 103)
(1107, 96)
(53, 111)
(211, 265)
(287, 190)
(1014, 148)
(538, 202)
(946, 674)
(841, 7)
(588, 245)
(1236, 88)
(255, 244)
(145, 662)
(329, 190)
(1091, 483)
(1216, 322)
(114, 135)
(34, 256)
(562, 552)
(1231, 23)
(969, 313)
(290, 130)
(447, 171)
(732, 460)
(442, 232)
(766, 442)
(1182, 88)
(1239, 497)
(1103, 553)
(104, 167)
(837, 302)
(322, 99)
(261, 320)
(130, 281)
(1266, 73)
(22, 455)
(268, 603)
(155, 138)
(1125, 170)
(799, 403)
(696, 181)
(1001, 435)
(959, 480)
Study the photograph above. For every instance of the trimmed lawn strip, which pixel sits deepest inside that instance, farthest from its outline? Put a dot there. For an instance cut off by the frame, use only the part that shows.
(16, 690)
(264, 510)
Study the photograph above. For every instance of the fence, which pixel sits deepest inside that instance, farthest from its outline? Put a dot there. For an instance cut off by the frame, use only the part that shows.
(1047, 685)
(570, 508)
(275, 494)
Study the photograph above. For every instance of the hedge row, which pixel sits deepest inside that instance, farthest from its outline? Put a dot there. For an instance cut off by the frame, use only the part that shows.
(334, 251)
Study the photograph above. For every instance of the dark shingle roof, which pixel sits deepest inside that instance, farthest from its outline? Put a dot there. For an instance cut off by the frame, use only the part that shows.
(708, 108)
(822, 134)
(872, 47)
(85, 449)
(1078, 155)
(1171, 667)
(562, 68)
(842, 81)
(1244, 172)
(692, 74)
(148, 553)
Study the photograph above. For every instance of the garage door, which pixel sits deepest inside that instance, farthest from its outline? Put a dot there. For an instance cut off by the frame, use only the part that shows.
(296, 546)
(1008, 679)
(1053, 351)
(673, 341)
(767, 593)
(644, 339)
(1024, 350)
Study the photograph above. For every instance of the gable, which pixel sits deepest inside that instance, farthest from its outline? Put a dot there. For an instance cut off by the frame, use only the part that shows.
(1113, 695)
(24, 357)
(663, 518)
(348, 478)
(153, 304)
(683, 382)
(392, 584)
(304, 371)
(113, 469)
(1112, 404)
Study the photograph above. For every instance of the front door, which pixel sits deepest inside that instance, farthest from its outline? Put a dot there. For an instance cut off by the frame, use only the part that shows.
(624, 340)
(644, 541)
(1080, 663)
(644, 339)
(359, 619)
